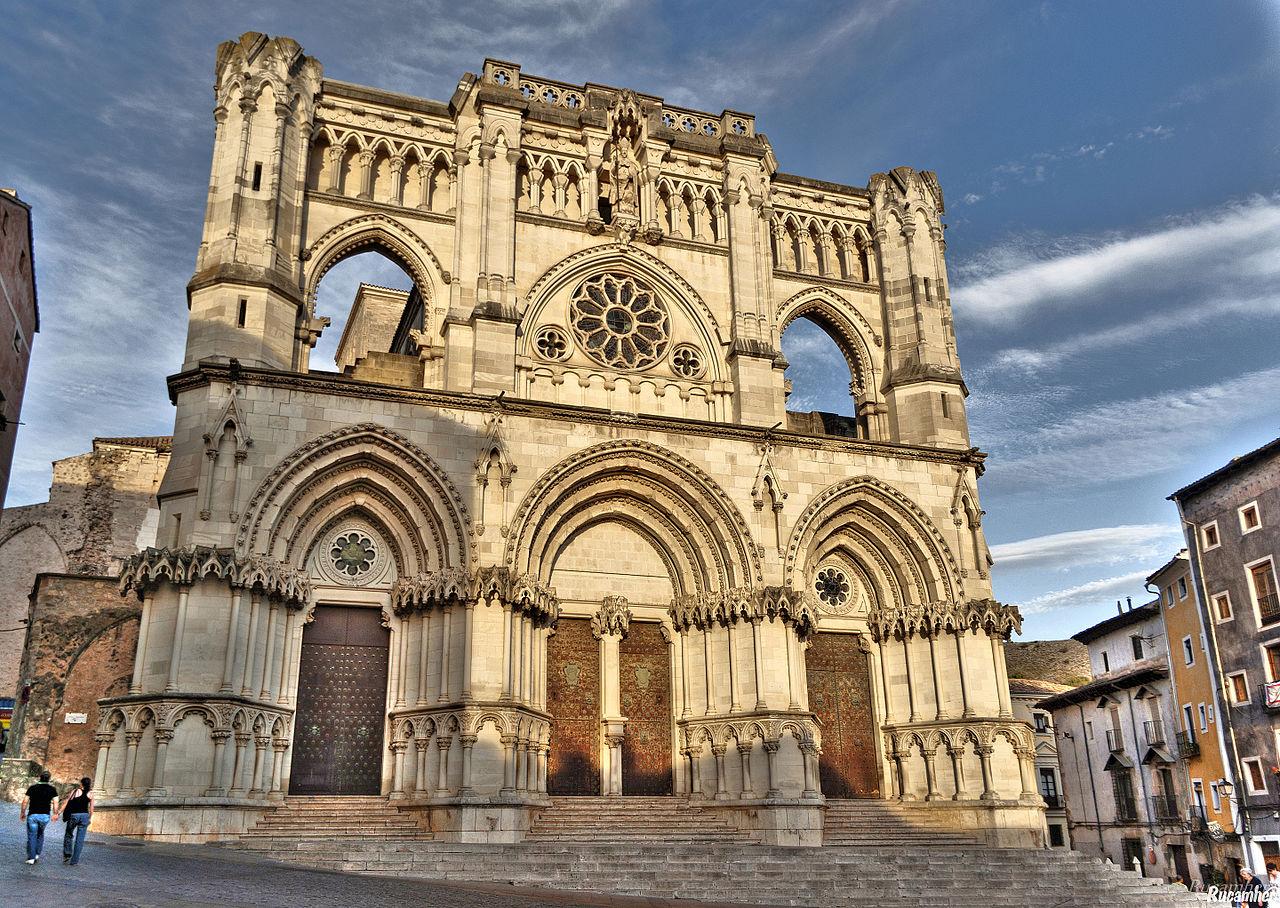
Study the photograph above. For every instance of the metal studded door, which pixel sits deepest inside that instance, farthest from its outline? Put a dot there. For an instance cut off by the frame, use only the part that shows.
(839, 676)
(573, 699)
(342, 691)
(645, 666)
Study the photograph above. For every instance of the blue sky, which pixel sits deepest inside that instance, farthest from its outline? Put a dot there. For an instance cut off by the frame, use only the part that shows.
(1111, 173)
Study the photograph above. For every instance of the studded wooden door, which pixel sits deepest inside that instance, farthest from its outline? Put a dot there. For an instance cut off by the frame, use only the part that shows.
(573, 699)
(342, 692)
(839, 676)
(645, 669)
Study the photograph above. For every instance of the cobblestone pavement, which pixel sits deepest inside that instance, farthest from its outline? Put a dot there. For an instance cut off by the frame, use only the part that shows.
(121, 873)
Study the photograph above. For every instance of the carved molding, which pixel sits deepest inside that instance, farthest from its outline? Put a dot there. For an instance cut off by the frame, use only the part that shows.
(149, 568)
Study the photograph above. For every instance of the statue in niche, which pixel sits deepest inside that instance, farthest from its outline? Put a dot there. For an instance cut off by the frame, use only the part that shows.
(626, 127)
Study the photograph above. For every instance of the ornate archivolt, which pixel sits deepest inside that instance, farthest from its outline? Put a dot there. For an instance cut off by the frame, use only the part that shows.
(182, 567)
(847, 328)
(692, 522)
(367, 467)
(871, 508)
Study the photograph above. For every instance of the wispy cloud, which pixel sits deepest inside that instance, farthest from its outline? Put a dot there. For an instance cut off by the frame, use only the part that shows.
(1092, 593)
(1018, 279)
(1099, 545)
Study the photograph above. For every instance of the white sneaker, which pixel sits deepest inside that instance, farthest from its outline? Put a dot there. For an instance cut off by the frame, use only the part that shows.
(31, 860)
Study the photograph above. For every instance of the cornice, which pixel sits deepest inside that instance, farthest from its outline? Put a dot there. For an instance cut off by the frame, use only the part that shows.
(803, 277)
(208, 372)
(344, 201)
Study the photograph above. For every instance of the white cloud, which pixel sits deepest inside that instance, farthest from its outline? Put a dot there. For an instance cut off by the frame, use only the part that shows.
(1019, 279)
(1094, 592)
(1099, 545)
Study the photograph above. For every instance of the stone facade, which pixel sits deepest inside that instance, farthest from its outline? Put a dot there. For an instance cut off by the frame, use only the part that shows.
(598, 554)
(19, 322)
(1231, 518)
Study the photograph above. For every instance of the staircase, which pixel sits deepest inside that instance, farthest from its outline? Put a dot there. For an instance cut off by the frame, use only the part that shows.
(867, 823)
(327, 818)
(640, 820)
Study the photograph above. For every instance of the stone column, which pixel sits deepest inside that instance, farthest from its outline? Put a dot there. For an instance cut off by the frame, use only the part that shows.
(984, 754)
(286, 650)
(543, 750)
(506, 651)
(744, 754)
(931, 775)
(365, 159)
(444, 655)
(957, 772)
(508, 764)
(144, 633)
(236, 789)
(526, 660)
(278, 747)
(333, 167)
(809, 753)
(1026, 772)
(217, 771)
(421, 745)
(695, 766)
(1002, 676)
(793, 701)
(771, 761)
(531, 766)
(397, 180)
(941, 711)
(260, 745)
(397, 774)
(424, 644)
(467, 742)
(686, 708)
(758, 652)
(963, 662)
(884, 683)
(269, 660)
(734, 704)
(520, 754)
(911, 684)
(179, 628)
(718, 750)
(706, 658)
(513, 648)
(468, 637)
(615, 764)
(444, 744)
(233, 629)
(904, 790)
(248, 683)
(401, 669)
(131, 741)
(104, 741)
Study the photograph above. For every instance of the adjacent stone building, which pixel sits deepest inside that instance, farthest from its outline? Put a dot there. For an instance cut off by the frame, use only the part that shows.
(1124, 792)
(1232, 522)
(101, 510)
(557, 535)
(19, 321)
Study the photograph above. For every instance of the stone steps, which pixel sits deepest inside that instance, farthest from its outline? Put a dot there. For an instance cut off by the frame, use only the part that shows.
(641, 820)
(328, 817)
(886, 823)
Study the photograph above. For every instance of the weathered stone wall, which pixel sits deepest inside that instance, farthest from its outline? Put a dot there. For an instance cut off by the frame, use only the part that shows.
(19, 320)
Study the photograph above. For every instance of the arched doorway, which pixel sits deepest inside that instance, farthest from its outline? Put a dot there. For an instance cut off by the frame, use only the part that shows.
(342, 690)
(839, 678)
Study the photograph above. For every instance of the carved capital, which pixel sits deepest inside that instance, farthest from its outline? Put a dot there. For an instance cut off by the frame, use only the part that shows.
(613, 617)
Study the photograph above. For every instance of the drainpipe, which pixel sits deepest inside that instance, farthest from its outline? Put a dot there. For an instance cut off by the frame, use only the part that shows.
(1093, 789)
(1218, 679)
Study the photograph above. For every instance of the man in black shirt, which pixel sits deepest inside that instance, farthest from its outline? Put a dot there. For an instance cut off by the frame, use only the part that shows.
(39, 807)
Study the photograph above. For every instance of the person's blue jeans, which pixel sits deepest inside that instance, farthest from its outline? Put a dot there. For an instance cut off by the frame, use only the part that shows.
(73, 839)
(36, 822)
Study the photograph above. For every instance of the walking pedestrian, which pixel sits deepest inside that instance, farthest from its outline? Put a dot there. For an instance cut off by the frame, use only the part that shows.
(76, 814)
(39, 807)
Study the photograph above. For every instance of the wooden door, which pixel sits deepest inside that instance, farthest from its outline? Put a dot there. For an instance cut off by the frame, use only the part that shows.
(573, 699)
(645, 667)
(840, 694)
(342, 693)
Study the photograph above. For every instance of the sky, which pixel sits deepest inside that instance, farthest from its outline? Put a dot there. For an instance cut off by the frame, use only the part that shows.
(1111, 173)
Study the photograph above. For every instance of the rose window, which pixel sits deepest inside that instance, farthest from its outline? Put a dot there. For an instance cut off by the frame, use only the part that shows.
(832, 587)
(551, 343)
(352, 554)
(686, 361)
(619, 321)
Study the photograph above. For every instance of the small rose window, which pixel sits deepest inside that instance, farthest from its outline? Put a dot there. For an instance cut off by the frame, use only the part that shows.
(832, 586)
(619, 321)
(353, 554)
(551, 343)
(686, 361)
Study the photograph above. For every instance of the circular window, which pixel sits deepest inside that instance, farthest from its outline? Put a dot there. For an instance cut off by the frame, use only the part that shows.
(689, 124)
(669, 121)
(353, 554)
(619, 321)
(551, 343)
(709, 129)
(550, 95)
(832, 587)
(739, 128)
(686, 361)
(502, 77)
(573, 102)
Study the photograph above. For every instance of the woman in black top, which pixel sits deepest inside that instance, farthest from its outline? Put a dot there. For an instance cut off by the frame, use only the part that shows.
(76, 814)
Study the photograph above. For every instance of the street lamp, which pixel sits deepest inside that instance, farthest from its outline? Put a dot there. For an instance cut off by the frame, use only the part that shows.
(1225, 788)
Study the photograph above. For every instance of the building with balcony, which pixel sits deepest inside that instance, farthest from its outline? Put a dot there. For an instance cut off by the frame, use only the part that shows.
(1125, 797)
(1198, 735)
(1231, 519)
(1026, 693)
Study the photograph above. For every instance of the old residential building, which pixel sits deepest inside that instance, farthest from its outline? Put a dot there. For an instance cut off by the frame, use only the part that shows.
(1198, 735)
(1118, 752)
(1027, 694)
(1232, 522)
(561, 539)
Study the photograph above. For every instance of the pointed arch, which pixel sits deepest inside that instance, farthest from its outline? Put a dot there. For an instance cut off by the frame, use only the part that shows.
(851, 332)
(366, 469)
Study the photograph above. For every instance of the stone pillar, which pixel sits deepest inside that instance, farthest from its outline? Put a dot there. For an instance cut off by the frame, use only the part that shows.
(333, 167)
(236, 789)
(506, 651)
(758, 652)
(286, 650)
(424, 653)
(771, 759)
(104, 741)
(397, 773)
(513, 670)
(397, 180)
(444, 655)
(734, 704)
(1026, 772)
(809, 752)
(744, 754)
(179, 628)
(904, 789)
(468, 636)
(526, 660)
(218, 769)
(229, 658)
(793, 701)
(722, 793)
(963, 662)
(508, 764)
(444, 744)
(531, 766)
(695, 765)
(365, 159)
(421, 745)
(131, 741)
(911, 683)
(467, 742)
(144, 633)
(401, 670)
(941, 713)
(706, 658)
(248, 684)
(957, 772)
(278, 747)
(269, 660)
(931, 775)
(543, 750)
(686, 708)
(260, 745)
(1002, 676)
(984, 754)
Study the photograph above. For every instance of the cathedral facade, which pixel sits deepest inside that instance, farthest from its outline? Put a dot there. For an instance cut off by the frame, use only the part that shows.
(552, 530)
